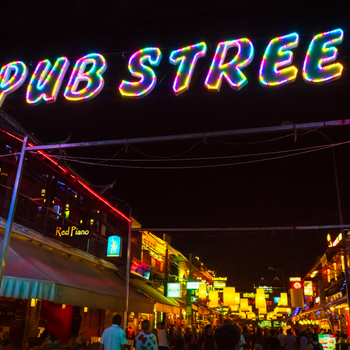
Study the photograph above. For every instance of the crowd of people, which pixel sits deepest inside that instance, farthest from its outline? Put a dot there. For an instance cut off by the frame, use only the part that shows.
(225, 337)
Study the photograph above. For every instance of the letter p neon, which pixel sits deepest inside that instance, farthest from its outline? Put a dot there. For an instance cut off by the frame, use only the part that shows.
(12, 76)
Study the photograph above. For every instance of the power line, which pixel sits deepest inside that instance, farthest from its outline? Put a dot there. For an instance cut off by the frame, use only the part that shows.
(319, 148)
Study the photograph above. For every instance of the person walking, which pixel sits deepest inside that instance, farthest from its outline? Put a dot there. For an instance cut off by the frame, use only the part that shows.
(247, 337)
(303, 341)
(315, 345)
(258, 340)
(187, 337)
(208, 338)
(162, 336)
(289, 341)
(146, 340)
(273, 342)
(281, 337)
(113, 338)
(194, 339)
(227, 337)
(179, 340)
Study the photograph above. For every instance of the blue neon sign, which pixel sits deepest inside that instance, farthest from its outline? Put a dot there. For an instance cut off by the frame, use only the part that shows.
(114, 246)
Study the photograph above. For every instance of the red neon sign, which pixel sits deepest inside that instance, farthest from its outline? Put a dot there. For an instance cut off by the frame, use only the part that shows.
(297, 285)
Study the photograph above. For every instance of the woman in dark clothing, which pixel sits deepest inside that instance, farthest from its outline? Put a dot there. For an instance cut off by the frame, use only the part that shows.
(180, 341)
(208, 338)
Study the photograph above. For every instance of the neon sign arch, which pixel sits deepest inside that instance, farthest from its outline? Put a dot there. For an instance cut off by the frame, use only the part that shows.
(276, 69)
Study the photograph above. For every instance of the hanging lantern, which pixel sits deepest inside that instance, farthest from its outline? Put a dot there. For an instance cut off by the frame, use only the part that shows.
(262, 311)
(234, 308)
(229, 296)
(244, 305)
(214, 298)
(260, 299)
(243, 315)
(202, 291)
(237, 299)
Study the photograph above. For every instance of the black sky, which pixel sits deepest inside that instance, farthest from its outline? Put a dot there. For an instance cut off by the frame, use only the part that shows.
(291, 191)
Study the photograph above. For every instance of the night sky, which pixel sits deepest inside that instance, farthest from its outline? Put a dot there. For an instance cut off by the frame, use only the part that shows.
(298, 190)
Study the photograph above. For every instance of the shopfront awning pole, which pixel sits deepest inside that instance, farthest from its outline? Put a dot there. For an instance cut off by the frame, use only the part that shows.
(127, 278)
(11, 215)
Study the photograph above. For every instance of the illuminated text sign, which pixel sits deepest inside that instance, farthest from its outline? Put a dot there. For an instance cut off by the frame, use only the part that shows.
(174, 290)
(72, 231)
(193, 285)
(228, 63)
(335, 242)
(308, 288)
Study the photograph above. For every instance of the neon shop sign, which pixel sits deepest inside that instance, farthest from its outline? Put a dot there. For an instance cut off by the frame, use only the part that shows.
(276, 69)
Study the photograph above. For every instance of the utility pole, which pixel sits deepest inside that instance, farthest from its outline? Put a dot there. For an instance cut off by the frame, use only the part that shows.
(11, 216)
(189, 294)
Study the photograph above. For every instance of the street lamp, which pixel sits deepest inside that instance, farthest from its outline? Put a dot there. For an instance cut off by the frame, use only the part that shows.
(284, 279)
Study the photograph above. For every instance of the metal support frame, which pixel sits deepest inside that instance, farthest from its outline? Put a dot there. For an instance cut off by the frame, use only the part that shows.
(127, 279)
(11, 215)
(243, 229)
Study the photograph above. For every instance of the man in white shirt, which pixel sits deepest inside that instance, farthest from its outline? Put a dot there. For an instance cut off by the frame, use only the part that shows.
(162, 336)
(113, 338)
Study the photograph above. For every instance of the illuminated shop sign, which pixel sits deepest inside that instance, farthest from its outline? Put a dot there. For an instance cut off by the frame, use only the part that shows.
(174, 290)
(219, 285)
(266, 288)
(335, 242)
(294, 279)
(296, 285)
(219, 278)
(114, 246)
(308, 288)
(72, 231)
(276, 69)
(141, 269)
(193, 285)
(249, 295)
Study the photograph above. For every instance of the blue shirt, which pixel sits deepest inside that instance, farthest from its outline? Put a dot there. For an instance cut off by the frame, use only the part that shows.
(113, 337)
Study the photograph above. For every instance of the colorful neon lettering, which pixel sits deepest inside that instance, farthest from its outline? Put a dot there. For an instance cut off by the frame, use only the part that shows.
(45, 84)
(12, 76)
(187, 57)
(137, 69)
(231, 70)
(278, 54)
(93, 77)
(320, 52)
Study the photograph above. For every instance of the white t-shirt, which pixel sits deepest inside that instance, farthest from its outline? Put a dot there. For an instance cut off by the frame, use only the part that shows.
(162, 337)
(113, 337)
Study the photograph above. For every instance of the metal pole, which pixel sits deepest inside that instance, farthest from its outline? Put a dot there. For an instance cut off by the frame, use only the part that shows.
(6, 241)
(242, 229)
(127, 279)
(199, 135)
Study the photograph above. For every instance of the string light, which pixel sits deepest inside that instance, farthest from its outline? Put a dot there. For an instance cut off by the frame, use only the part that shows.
(187, 57)
(45, 85)
(231, 70)
(278, 54)
(138, 69)
(93, 78)
(12, 76)
(320, 52)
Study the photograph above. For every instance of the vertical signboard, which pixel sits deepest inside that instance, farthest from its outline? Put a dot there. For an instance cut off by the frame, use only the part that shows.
(114, 246)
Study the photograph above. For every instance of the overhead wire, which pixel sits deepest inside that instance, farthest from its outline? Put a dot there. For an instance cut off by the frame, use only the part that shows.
(295, 153)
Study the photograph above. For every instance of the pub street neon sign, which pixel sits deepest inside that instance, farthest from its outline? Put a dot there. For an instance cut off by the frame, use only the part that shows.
(276, 69)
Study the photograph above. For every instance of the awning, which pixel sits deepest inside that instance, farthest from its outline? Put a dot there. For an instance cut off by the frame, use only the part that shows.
(32, 271)
(163, 304)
